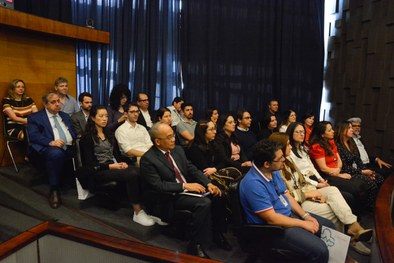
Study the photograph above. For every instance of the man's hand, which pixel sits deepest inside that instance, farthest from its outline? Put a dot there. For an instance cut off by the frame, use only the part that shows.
(57, 143)
(383, 163)
(194, 187)
(118, 166)
(209, 171)
(310, 224)
(214, 190)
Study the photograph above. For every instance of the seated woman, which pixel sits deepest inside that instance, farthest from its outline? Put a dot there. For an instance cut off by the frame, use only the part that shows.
(97, 155)
(16, 107)
(268, 125)
(326, 202)
(352, 164)
(289, 116)
(324, 154)
(212, 114)
(228, 150)
(118, 99)
(163, 115)
(309, 120)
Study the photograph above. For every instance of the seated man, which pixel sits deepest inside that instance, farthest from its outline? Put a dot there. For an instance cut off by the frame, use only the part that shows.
(80, 118)
(186, 126)
(378, 165)
(133, 139)
(51, 135)
(165, 169)
(247, 138)
(67, 103)
(265, 200)
(144, 117)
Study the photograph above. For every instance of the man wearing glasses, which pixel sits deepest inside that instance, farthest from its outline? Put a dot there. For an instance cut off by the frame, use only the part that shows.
(133, 139)
(247, 138)
(144, 118)
(265, 200)
(165, 171)
(51, 135)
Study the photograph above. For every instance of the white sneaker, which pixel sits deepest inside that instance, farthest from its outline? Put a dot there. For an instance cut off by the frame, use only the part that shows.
(360, 248)
(143, 219)
(159, 221)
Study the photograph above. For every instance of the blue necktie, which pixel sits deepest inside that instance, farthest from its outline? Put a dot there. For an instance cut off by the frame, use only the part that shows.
(62, 135)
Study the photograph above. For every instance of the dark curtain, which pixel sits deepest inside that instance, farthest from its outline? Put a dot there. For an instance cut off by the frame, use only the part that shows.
(240, 53)
(143, 53)
(53, 9)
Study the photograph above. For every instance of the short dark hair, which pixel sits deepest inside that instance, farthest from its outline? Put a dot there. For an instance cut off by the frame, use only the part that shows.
(84, 94)
(240, 113)
(160, 113)
(176, 100)
(60, 80)
(132, 103)
(45, 99)
(264, 151)
(137, 96)
(186, 104)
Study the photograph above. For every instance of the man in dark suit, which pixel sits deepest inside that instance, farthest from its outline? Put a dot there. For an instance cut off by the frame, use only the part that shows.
(51, 135)
(145, 118)
(80, 118)
(165, 169)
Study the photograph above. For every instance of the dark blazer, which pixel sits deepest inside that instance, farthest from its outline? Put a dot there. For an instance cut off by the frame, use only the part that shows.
(79, 122)
(159, 176)
(141, 120)
(40, 130)
(223, 152)
(202, 158)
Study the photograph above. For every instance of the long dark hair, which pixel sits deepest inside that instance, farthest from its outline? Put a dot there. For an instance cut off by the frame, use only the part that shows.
(117, 92)
(90, 128)
(340, 130)
(160, 112)
(290, 131)
(316, 137)
(199, 137)
(220, 125)
(286, 116)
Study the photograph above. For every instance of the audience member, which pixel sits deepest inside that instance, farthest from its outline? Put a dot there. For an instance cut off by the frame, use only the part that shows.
(144, 118)
(378, 164)
(68, 104)
(269, 125)
(288, 117)
(16, 107)
(247, 138)
(212, 114)
(273, 107)
(309, 120)
(98, 157)
(326, 202)
(352, 164)
(165, 169)
(119, 97)
(80, 118)
(185, 128)
(164, 115)
(228, 149)
(324, 154)
(51, 136)
(265, 200)
(133, 138)
(175, 110)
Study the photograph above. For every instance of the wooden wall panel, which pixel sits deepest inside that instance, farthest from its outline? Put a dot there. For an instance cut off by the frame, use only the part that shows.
(38, 59)
(361, 74)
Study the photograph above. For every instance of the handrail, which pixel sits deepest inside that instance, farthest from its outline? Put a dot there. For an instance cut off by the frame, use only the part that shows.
(44, 25)
(109, 243)
(383, 222)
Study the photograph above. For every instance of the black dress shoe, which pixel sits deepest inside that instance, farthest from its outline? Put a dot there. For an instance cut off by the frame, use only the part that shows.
(196, 250)
(222, 242)
(54, 199)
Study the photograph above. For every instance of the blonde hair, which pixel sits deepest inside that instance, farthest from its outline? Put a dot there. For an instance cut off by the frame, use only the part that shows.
(11, 90)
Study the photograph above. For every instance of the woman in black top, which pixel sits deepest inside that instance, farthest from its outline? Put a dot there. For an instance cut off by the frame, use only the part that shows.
(97, 157)
(269, 125)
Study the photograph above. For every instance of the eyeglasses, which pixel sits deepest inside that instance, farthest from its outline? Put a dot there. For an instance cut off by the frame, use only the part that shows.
(134, 111)
(281, 159)
(300, 132)
(169, 137)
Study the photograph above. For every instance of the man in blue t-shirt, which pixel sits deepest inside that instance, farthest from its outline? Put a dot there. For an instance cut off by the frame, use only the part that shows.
(265, 200)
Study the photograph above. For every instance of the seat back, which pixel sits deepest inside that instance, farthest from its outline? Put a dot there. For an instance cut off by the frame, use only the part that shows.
(238, 217)
(83, 194)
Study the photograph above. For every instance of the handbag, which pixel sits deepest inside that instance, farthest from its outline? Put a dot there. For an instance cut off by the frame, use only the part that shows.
(225, 176)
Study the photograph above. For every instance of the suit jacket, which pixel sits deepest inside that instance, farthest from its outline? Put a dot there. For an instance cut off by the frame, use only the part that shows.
(40, 130)
(141, 120)
(159, 175)
(79, 122)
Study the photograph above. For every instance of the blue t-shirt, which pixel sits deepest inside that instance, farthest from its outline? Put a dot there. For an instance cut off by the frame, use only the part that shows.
(259, 193)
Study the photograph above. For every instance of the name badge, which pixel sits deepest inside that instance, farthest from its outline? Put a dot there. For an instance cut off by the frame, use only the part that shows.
(283, 200)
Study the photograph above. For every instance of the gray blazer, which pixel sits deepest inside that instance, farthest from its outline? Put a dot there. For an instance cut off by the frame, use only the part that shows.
(79, 122)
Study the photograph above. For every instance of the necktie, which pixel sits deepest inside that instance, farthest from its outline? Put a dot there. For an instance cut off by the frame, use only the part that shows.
(177, 174)
(62, 135)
